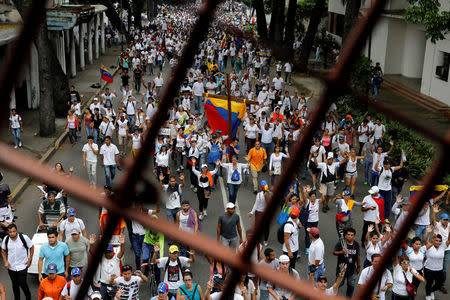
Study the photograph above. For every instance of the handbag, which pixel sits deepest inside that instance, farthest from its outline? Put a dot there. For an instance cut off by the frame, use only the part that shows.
(284, 215)
(411, 289)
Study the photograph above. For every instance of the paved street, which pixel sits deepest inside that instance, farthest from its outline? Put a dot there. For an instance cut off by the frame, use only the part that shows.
(28, 203)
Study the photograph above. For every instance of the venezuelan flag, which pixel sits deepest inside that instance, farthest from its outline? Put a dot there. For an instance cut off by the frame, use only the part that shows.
(217, 114)
(224, 41)
(106, 75)
(438, 189)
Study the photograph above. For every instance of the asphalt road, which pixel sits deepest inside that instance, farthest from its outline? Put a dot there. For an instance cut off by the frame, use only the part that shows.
(68, 155)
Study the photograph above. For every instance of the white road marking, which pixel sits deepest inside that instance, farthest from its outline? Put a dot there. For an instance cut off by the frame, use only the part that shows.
(225, 201)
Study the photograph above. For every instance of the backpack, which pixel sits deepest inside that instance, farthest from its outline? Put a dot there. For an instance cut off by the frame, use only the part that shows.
(280, 232)
(181, 268)
(214, 154)
(24, 243)
(235, 176)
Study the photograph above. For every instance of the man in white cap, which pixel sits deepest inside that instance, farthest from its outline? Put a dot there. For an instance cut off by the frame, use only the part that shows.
(279, 292)
(96, 296)
(370, 211)
(328, 176)
(227, 226)
(95, 104)
(263, 96)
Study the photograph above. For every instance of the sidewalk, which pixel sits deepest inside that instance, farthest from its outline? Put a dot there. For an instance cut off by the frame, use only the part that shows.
(42, 147)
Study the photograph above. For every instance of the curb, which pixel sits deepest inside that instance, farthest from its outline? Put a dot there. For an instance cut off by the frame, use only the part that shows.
(23, 184)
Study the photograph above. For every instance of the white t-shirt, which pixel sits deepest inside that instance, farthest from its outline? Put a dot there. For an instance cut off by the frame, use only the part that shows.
(172, 275)
(384, 181)
(218, 295)
(266, 135)
(137, 228)
(371, 250)
(313, 211)
(15, 121)
(343, 148)
(363, 138)
(287, 67)
(90, 155)
(435, 258)
(443, 232)
(68, 226)
(130, 287)
(316, 251)
(109, 154)
(370, 215)
(385, 279)
(106, 128)
(320, 152)
(399, 286)
(17, 255)
(107, 268)
(198, 88)
(416, 260)
(159, 81)
(173, 200)
(278, 83)
(122, 127)
(375, 158)
(378, 130)
(74, 288)
(251, 131)
(292, 228)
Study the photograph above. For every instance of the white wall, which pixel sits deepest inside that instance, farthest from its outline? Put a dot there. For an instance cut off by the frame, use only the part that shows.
(336, 6)
(395, 46)
(379, 42)
(414, 51)
(431, 85)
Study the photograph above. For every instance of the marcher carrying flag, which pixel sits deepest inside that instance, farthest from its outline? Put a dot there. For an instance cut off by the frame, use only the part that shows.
(106, 75)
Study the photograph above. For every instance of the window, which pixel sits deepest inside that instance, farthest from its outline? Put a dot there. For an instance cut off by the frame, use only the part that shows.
(443, 64)
(335, 23)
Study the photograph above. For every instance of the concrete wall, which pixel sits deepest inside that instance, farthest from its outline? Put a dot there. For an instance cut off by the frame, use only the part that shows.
(431, 84)
(395, 46)
(414, 51)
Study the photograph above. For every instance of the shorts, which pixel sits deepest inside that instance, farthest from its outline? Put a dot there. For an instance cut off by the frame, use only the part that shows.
(122, 139)
(328, 188)
(351, 174)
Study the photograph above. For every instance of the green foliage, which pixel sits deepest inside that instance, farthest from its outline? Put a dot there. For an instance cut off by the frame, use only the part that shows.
(305, 7)
(426, 12)
(250, 28)
(361, 75)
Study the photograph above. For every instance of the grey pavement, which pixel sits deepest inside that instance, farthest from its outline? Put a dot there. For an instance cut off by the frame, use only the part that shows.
(28, 202)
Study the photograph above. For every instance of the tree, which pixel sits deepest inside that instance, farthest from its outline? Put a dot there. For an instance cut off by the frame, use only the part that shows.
(426, 12)
(314, 21)
(290, 24)
(261, 23)
(351, 15)
(53, 83)
(277, 21)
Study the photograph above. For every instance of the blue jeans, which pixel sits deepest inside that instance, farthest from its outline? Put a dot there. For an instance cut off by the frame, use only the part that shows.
(268, 147)
(136, 243)
(110, 173)
(96, 132)
(197, 103)
(232, 191)
(16, 134)
(351, 281)
(130, 119)
(319, 271)
(160, 65)
(367, 166)
(387, 195)
(263, 294)
(420, 231)
(221, 66)
(171, 214)
(373, 177)
(446, 262)
(376, 91)
(147, 253)
(202, 158)
(89, 131)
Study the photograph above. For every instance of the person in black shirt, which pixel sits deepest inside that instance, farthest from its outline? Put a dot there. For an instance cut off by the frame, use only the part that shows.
(349, 256)
(125, 78)
(137, 77)
(399, 177)
(73, 96)
(97, 121)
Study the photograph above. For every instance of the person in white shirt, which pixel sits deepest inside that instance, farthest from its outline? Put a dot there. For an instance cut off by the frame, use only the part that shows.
(158, 82)
(217, 281)
(287, 72)
(322, 282)
(278, 82)
(15, 126)
(443, 227)
(128, 283)
(70, 290)
(71, 223)
(434, 263)
(379, 155)
(379, 131)
(260, 205)
(275, 163)
(403, 274)
(90, 151)
(385, 182)
(109, 155)
(291, 231)
(106, 128)
(122, 131)
(321, 157)
(383, 285)
(316, 253)
(277, 292)
(370, 211)
(17, 253)
(234, 176)
(198, 90)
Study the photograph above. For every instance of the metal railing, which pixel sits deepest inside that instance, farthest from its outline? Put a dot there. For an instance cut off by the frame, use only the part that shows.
(120, 206)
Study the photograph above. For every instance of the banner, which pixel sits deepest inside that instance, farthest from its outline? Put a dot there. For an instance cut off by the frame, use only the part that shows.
(217, 114)
(106, 75)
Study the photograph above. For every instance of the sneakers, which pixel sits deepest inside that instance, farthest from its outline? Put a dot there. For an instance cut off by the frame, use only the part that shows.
(20, 143)
(443, 290)
(307, 251)
(265, 243)
(432, 296)
(205, 213)
(192, 186)
(366, 183)
(182, 167)
(178, 170)
(15, 147)
(200, 217)
(194, 190)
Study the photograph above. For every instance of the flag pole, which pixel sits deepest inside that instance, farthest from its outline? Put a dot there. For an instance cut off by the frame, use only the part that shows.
(230, 134)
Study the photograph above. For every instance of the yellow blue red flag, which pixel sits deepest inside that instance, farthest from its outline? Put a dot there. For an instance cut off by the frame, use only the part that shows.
(415, 189)
(217, 114)
(106, 75)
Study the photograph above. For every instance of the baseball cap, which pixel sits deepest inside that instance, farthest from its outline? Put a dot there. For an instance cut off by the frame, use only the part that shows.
(330, 155)
(76, 271)
(264, 185)
(204, 166)
(96, 295)
(110, 248)
(217, 280)
(163, 288)
(126, 268)
(284, 258)
(173, 249)
(74, 231)
(95, 99)
(71, 212)
(444, 217)
(295, 212)
(341, 137)
(313, 230)
(346, 193)
(374, 190)
(230, 205)
(52, 268)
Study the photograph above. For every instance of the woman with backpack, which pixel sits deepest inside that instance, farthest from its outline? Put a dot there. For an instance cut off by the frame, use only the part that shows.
(234, 176)
(309, 213)
(260, 205)
(276, 159)
(205, 182)
(189, 290)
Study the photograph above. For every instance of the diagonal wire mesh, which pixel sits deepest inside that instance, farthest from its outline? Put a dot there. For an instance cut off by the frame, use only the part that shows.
(336, 82)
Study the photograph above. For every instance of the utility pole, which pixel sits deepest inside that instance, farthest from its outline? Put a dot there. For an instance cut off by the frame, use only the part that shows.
(121, 26)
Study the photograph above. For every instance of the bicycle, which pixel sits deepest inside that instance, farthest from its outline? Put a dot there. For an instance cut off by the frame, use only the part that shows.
(151, 278)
